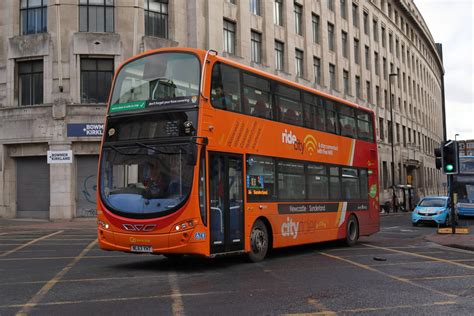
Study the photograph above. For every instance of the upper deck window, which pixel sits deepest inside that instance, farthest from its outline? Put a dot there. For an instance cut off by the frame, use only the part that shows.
(162, 76)
(248, 93)
(225, 92)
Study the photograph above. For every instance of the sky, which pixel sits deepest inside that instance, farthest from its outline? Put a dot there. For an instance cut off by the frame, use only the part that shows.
(451, 24)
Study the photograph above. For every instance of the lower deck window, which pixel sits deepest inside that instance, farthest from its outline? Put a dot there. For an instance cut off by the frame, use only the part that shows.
(298, 180)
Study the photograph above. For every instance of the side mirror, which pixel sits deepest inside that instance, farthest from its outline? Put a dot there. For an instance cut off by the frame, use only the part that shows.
(191, 155)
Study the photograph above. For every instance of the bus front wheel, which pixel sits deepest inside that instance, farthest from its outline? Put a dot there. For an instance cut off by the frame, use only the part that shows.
(352, 231)
(258, 241)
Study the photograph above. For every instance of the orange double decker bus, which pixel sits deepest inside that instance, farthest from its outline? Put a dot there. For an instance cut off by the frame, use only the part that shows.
(202, 155)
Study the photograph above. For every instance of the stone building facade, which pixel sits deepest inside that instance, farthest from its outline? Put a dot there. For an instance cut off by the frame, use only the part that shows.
(57, 59)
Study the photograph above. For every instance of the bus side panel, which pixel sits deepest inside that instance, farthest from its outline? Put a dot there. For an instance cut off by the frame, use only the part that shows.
(296, 229)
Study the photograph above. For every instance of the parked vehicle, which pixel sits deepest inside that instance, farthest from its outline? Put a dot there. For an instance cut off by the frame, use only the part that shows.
(432, 209)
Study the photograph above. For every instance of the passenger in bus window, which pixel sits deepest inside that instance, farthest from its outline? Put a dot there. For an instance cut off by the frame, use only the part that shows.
(157, 183)
(260, 109)
(222, 99)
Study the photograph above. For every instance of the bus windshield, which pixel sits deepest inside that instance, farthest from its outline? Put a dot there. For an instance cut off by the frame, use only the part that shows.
(145, 180)
(161, 76)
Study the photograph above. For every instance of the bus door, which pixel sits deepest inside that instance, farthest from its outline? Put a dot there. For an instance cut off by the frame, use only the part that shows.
(226, 202)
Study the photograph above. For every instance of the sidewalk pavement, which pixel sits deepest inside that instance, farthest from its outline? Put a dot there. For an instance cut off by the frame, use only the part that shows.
(461, 241)
(12, 225)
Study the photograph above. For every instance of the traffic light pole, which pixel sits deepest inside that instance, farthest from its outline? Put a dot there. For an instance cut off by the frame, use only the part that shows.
(451, 203)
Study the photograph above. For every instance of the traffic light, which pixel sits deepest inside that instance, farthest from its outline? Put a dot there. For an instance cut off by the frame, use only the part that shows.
(450, 157)
(439, 158)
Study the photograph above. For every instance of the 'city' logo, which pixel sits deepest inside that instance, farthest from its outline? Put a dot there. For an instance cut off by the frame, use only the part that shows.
(290, 228)
(291, 139)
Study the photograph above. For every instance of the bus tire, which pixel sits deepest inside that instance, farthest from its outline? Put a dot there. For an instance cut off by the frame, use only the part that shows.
(258, 241)
(352, 231)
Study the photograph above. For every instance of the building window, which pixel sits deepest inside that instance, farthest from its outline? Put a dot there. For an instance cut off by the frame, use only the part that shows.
(344, 44)
(355, 15)
(332, 76)
(377, 95)
(317, 70)
(256, 47)
(390, 131)
(376, 31)
(156, 18)
(381, 133)
(30, 82)
(343, 9)
(345, 77)
(96, 79)
(397, 129)
(369, 91)
(279, 55)
(376, 63)
(229, 37)
(96, 15)
(356, 51)
(315, 21)
(255, 7)
(397, 48)
(299, 63)
(384, 37)
(366, 23)
(330, 4)
(278, 12)
(298, 19)
(331, 36)
(384, 66)
(34, 16)
(390, 42)
(357, 86)
(367, 58)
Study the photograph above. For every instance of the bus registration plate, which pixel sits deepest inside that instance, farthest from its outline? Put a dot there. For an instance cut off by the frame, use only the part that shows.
(138, 248)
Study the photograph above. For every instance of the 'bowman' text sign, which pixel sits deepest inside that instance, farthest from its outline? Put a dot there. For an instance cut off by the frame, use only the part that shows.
(84, 129)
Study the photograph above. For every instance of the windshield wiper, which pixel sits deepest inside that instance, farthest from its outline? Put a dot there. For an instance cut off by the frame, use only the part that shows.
(121, 152)
(155, 149)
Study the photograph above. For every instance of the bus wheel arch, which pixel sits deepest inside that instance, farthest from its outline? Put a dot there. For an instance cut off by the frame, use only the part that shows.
(352, 230)
(261, 239)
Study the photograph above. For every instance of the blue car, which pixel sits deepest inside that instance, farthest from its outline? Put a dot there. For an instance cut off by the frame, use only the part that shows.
(465, 209)
(432, 209)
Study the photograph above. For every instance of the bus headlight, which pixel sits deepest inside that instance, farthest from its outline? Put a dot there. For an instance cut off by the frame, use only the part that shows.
(189, 224)
(440, 212)
(102, 224)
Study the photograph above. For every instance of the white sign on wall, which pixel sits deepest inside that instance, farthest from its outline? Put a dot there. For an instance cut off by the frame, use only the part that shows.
(60, 156)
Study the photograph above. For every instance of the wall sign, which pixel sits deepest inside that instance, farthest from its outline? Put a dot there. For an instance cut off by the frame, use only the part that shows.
(85, 129)
(60, 156)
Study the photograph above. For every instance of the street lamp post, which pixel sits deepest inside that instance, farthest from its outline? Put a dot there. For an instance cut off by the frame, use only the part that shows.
(390, 76)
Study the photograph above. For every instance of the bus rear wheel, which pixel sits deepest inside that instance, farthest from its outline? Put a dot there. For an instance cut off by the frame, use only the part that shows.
(352, 231)
(258, 241)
